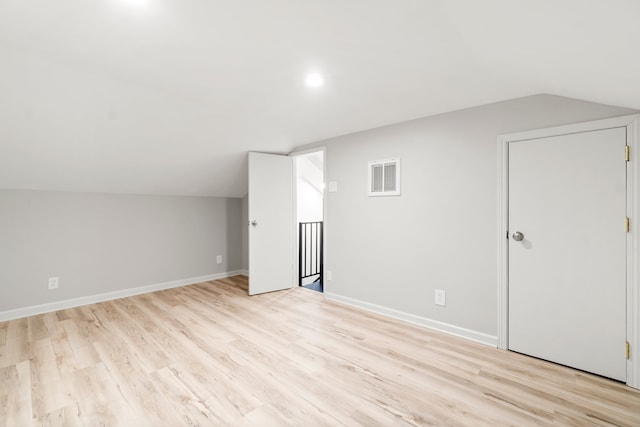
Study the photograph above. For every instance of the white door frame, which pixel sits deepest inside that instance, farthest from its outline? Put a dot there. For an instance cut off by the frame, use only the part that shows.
(632, 123)
(296, 267)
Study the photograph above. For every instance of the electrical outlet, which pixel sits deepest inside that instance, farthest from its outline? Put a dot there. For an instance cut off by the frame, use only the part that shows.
(219, 259)
(53, 283)
(328, 274)
(440, 297)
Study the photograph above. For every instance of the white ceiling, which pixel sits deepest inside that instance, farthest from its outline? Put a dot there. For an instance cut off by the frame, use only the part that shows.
(167, 96)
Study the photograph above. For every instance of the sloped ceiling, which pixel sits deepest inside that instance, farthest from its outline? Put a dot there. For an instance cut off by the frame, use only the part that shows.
(167, 96)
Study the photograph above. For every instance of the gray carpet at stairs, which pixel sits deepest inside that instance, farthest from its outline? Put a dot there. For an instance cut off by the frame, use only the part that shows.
(315, 286)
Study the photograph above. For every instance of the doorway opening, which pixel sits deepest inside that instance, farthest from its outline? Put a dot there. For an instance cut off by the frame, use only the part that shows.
(310, 216)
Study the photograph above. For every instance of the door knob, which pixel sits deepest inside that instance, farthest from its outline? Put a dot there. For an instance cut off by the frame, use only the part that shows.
(254, 222)
(518, 236)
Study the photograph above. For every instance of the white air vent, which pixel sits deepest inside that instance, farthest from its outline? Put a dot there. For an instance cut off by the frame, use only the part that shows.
(384, 177)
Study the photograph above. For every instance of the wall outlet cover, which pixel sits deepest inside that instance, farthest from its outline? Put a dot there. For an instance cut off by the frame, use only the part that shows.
(53, 283)
(219, 259)
(440, 297)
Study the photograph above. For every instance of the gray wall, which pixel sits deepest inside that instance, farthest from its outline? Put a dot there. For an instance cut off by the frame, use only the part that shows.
(441, 232)
(98, 243)
(245, 233)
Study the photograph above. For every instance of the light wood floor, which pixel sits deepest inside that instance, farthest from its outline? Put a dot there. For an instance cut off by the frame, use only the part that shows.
(209, 354)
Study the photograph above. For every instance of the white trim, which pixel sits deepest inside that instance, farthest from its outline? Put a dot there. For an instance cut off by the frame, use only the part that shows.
(615, 122)
(108, 296)
(503, 252)
(632, 123)
(633, 254)
(457, 331)
(241, 273)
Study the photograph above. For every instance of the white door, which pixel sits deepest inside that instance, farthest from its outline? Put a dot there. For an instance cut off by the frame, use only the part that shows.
(270, 223)
(567, 276)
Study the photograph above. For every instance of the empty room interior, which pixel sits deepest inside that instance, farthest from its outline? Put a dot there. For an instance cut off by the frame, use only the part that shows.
(295, 212)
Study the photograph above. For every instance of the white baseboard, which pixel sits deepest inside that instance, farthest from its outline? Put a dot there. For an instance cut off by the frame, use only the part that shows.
(108, 296)
(243, 272)
(457, 331)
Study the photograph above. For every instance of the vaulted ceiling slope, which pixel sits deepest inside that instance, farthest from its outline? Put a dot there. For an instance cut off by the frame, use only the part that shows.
(167, 96)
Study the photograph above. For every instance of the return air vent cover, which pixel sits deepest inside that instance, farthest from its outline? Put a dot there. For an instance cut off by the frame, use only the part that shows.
(384, 177)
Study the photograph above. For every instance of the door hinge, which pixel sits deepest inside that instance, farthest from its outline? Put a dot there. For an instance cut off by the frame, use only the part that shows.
(626, 350)
(626, 224)
(627, 154)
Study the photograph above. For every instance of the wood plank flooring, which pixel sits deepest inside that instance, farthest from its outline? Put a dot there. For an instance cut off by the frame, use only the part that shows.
(209, 355)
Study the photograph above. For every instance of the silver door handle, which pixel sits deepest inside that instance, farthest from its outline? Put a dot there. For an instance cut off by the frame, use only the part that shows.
(254, 223)
(518, 236)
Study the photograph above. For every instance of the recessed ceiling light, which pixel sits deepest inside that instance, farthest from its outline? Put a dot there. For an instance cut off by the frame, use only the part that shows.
(314, 80)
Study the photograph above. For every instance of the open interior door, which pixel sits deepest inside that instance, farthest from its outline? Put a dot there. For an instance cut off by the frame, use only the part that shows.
(270, 223)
